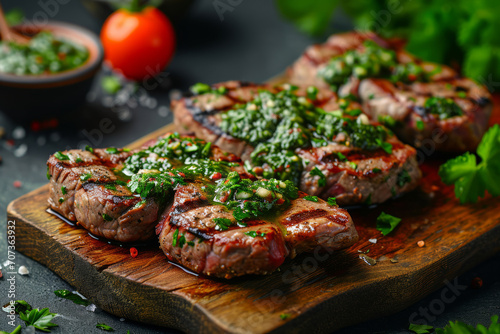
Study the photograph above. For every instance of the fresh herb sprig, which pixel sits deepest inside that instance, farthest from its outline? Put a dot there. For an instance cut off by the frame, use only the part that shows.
(472, 179)
(40, 319)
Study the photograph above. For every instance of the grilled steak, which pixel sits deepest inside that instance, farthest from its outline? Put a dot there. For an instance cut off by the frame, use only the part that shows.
(189, 235)
(431, 104)
(83, 188)
(334, 168)
(211, 216)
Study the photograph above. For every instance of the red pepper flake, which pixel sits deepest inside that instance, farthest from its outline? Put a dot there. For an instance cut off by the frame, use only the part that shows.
(217, 176)
(35, 126)
(189, 144)
(10, 142)
(280, 201)
(1, 275)
(171, 174)
(181, 174)
(476, 283)
(412, 77)
(134, 252)
(17, 184)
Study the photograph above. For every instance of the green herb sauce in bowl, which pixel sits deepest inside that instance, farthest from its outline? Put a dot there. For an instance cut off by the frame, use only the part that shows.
(43, 54)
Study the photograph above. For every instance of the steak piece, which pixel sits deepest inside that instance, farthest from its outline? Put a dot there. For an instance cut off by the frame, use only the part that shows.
(188, 234)
(404, 101)
(83, 187)
(363, 177)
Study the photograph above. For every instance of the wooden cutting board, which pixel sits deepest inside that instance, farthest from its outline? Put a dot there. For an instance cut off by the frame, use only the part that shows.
(319, 292)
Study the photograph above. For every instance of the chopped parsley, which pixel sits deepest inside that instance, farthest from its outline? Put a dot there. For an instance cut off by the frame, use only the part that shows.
(88, 148)
(222, 224)
(387, 223)
(107, 217)
(284, 316)
(277, 124)
(78, 160)
(420, 125)
(254, 234)
(444, 108)
(403, 178)
(64, 191)
(61, 199)
(312, 93)
(59, 155)
(85, 177)
(373, 61)
(332, 201)
(250, 199)
(175, 237)
(311, 198)
(112, 150)
(317, 172)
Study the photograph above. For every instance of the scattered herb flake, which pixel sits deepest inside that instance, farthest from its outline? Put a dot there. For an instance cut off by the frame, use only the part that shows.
(420, 125)
(66, 294)
(387, 223)
(104, 327)
(332, 201)
(284, 316)
(61, 156)
(64, 190)
(61, 199)
(88, 148)
(317, 172)
(111, 84)
(311, 198)
(107, 217)
(222, 224)
(85, 177)
(112, 150)
(174, 237)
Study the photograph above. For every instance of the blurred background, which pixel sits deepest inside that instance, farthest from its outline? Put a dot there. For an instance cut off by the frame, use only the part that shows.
(214, 41)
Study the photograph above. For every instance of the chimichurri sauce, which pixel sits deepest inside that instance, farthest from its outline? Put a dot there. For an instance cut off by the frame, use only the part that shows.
(277, 124)
(156, 171)
(44, 54)
(372, 62)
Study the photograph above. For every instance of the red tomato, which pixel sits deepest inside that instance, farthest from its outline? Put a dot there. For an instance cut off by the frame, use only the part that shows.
(138, 44)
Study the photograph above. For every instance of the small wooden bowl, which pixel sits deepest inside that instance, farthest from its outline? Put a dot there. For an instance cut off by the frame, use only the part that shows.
(37, 97)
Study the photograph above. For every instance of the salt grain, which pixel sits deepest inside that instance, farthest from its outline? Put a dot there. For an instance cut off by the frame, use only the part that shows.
(175, 94)
(19, 133)
(23, 270)
(163, 111)
(91, 308)
(55, 136)
(41, 141)
(125, 115)
(29, 330)
(122, 319)
(21, 150)
(373, 241)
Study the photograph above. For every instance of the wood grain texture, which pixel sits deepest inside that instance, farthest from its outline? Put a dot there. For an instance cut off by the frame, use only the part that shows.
(321, 292)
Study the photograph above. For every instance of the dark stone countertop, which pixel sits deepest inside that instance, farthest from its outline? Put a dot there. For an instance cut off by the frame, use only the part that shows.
(252, 43)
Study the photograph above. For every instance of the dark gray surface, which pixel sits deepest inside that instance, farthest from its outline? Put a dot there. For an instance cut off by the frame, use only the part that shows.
(252, 43)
